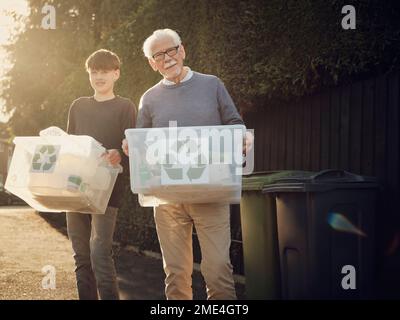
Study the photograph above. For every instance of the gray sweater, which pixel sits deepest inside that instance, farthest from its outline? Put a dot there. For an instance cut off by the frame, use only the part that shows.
(200, 101)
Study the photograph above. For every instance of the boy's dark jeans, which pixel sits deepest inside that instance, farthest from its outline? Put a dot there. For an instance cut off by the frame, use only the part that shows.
(91, 237)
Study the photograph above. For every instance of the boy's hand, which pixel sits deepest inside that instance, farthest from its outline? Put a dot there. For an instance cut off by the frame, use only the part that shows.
(248, 142)
(125, 147)
(113, 157)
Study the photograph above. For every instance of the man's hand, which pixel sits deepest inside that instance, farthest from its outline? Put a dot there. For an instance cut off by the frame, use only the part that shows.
(113, 157)
(125, 147)
(248, 142)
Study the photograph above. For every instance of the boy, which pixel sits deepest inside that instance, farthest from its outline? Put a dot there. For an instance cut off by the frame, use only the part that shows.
(103, 116)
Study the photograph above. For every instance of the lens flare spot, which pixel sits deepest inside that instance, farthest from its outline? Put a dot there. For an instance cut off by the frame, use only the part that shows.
(394, 245)
(340, 223)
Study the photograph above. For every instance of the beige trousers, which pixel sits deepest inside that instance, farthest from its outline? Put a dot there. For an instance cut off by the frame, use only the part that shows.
(174, 224)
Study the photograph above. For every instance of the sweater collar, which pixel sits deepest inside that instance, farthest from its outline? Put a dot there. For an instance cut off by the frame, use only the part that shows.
(188, 76)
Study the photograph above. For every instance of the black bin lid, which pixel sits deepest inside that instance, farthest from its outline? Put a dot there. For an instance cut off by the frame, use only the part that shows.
(322, 181)
(258, 180)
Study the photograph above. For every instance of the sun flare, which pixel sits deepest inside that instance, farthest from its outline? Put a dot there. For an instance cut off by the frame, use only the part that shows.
(8, 26)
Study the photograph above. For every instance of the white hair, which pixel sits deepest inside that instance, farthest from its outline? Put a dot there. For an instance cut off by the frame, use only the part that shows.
(157, 36)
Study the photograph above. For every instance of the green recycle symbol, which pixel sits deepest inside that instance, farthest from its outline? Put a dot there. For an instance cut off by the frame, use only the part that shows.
(177, 173)
(44, 158)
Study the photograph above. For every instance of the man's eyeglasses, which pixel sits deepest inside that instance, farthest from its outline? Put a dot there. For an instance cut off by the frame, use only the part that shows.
(159, 56)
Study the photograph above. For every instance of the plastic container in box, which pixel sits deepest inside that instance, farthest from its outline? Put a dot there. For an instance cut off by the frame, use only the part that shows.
(57, 172)
(186, 164)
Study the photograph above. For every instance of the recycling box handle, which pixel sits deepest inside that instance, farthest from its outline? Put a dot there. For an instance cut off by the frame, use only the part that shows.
(334, 173)
(57, 132)
(52, 132)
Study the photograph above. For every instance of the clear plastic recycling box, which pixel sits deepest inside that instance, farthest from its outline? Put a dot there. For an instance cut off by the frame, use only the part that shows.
(57, 172)
(186, 164)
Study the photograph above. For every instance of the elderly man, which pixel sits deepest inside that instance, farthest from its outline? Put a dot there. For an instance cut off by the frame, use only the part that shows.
(191, 99)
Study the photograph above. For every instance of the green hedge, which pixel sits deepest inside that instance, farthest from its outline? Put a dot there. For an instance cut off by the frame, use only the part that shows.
(263, 50)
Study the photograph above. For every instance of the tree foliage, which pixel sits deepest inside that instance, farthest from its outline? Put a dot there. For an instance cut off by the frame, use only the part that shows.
(262, 50)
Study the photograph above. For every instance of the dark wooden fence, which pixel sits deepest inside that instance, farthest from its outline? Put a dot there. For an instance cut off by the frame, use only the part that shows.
(354, 127)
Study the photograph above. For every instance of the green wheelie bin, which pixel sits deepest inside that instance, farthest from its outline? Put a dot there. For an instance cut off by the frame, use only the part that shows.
(259, 235)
